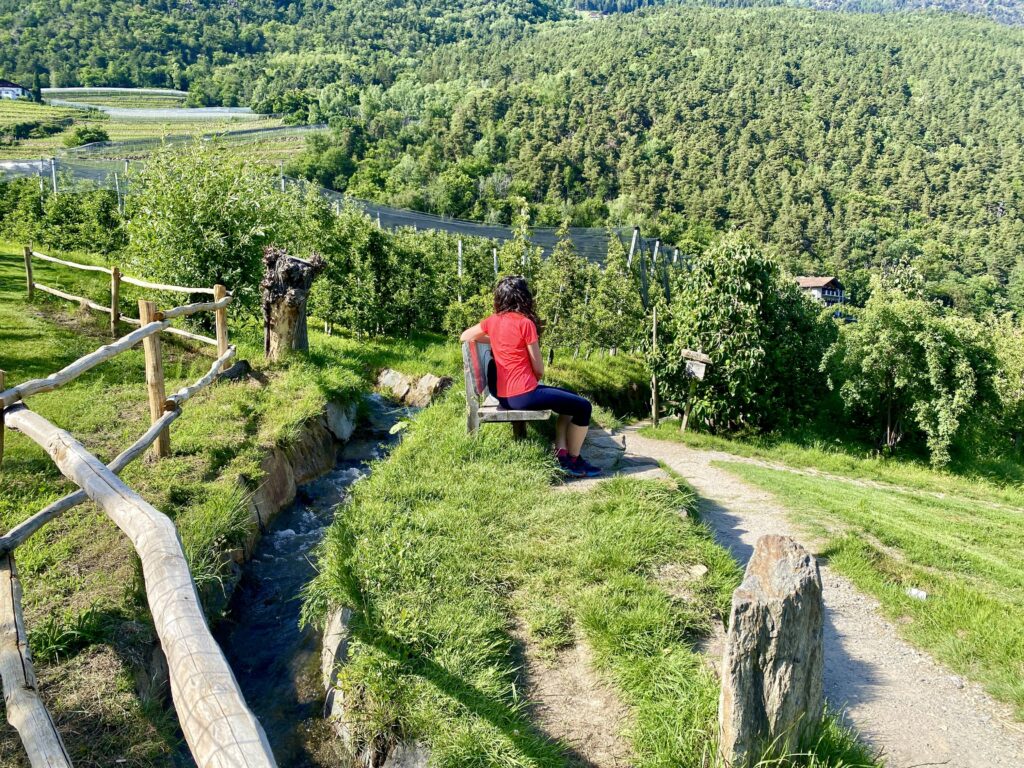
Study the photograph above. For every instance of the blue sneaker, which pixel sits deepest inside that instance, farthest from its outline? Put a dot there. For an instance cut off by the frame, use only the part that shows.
(584, 466)
(570, 467)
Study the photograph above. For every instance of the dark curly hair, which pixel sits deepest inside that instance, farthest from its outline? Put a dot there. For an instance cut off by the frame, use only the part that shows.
(512, 294)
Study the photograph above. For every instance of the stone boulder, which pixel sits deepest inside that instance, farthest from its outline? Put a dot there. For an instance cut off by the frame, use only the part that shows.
(425, 389)
(603, 449)
(417, 391)
(341, 420)
(773, 664)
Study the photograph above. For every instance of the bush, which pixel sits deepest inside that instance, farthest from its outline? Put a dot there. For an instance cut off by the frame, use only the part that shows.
(200, 216)
(908, 369)
(85, 134)
(764, 337)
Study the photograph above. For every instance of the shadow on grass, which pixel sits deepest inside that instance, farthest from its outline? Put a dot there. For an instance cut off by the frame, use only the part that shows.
(507, 719)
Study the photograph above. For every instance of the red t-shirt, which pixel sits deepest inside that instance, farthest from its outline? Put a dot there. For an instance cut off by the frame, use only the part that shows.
(511, 334)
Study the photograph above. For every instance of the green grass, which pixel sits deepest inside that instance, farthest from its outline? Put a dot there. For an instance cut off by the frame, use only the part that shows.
(79, 573)
(455, 546)
(991, 480)
(969, 558)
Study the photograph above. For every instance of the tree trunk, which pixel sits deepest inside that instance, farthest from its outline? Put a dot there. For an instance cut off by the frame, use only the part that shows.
(286, 284)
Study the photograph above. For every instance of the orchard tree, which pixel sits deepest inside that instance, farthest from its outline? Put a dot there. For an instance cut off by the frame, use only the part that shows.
(764, 336)
(615, 312)
(561, 290)
(908, 369)
(202, 215)
(519, 256)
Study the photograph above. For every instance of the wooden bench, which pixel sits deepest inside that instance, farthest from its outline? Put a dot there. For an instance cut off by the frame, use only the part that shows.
(483, 407)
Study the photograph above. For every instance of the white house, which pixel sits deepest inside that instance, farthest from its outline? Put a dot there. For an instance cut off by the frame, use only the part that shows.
(827, 290)
(9, 90)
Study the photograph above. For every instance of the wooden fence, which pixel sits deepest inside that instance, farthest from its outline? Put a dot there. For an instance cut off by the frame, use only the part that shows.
(218, 292)
(218, 726)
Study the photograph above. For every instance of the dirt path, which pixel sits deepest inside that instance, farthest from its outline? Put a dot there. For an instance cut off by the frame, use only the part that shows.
(898, 698)
(855, 481)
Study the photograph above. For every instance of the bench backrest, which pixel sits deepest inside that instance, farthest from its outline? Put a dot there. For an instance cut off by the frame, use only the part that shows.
(475, 358)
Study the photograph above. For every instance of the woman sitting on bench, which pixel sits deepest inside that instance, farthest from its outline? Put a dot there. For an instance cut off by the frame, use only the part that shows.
(512, 332)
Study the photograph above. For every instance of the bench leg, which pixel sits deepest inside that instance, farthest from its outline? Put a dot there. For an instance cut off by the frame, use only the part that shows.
(519, 430)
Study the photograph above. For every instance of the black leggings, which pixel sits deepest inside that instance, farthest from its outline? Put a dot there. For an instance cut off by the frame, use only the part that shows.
(545, 398)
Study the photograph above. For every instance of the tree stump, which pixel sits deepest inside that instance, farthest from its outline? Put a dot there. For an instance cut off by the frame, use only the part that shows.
(286, 284)
(773, 667)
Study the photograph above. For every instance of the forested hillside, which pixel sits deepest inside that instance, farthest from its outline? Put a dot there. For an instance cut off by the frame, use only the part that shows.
(195, 44)
(843, 142)
(1005, 11)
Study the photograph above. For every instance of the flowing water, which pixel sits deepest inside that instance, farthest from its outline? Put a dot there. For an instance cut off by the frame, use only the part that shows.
(276, 662)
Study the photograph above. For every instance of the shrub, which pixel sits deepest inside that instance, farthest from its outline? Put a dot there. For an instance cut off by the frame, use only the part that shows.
(200, 215)
(85, 134)
(765, 339)
(908, 369)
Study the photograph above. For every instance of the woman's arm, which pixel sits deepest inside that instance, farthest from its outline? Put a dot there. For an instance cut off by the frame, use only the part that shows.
(536, 359)
(475, 333)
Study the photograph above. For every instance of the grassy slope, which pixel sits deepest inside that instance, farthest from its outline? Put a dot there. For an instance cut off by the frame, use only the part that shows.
(932, 530)
(968, 558)
(995, 481)
(455, 545)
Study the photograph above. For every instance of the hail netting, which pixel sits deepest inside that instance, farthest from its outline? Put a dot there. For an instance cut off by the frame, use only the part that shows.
(86, 165)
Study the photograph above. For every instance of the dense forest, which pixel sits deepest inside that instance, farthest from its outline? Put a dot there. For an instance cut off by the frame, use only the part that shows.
(224, 51)
(842, 142)
(1007, 12)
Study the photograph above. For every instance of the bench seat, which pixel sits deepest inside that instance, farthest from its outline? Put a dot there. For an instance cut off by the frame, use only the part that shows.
(497, 413)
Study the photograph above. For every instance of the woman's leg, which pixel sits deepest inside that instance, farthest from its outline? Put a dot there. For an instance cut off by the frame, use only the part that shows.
(574, 413)
(562, 432)
(575, 438)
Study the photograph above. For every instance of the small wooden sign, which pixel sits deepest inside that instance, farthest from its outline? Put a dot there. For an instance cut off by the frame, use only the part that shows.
(695, 369)
(700, 357)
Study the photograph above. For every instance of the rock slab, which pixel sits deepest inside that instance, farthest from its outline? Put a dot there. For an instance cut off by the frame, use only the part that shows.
(773, 666)
(417, 391)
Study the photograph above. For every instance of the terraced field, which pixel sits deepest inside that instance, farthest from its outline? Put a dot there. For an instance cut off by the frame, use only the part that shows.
(125, 128)
(130, 98)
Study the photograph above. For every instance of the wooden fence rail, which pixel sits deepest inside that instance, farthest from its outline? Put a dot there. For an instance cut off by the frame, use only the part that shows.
(25, 709)
(220, 295)
(219, 728)
(81, 365)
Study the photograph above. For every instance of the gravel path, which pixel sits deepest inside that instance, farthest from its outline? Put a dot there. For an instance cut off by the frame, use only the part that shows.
(899, 699)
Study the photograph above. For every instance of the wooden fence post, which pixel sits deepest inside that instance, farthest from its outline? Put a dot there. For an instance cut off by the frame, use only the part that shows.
(115, 300)
(221, 317)
(28, 272)
(654, 375)
(154, 377)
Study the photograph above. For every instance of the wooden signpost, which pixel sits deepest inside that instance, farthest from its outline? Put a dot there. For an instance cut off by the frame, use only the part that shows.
(696, 365)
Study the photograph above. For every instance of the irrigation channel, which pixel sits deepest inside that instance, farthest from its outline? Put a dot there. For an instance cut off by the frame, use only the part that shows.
(276, 662)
